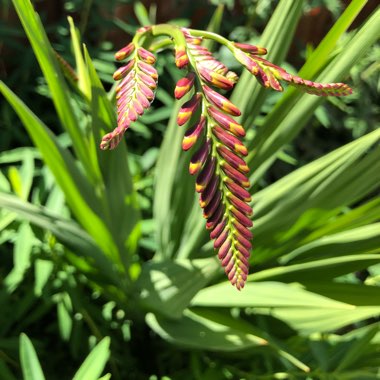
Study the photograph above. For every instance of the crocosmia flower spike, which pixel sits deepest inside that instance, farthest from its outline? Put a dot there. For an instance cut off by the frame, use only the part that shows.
(210, 129)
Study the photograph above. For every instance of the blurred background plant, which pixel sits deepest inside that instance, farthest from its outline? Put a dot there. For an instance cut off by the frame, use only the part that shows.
(110, 244)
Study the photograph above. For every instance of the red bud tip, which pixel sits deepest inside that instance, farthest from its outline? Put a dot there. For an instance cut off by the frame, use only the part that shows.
(181, 58)
(184, 85)
(146, 56)
(125, 52)
(252, 49)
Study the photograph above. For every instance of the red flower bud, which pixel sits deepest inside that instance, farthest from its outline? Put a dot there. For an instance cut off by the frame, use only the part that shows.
(146, 56)
(181, 58)
(252, 49)
(193, 133)
(221, 102)
(188, 109)
(125, 52)
(184, 85)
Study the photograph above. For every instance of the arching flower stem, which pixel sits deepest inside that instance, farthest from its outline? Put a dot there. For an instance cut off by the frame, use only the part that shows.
(218, 162)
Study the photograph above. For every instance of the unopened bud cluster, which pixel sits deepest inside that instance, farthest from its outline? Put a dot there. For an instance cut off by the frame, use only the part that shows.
(135, 91)
(208, 117)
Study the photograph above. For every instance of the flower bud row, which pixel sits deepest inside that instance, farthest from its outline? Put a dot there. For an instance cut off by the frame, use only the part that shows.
(268, 75)
(221, 178)
(135, 91)
(222, 186)
(212, 71)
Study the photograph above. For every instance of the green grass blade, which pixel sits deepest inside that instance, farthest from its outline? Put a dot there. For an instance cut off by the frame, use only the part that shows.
(30, 365)
(54, 77)
(324, 269)
(263, 295)
(356, 350)
(363, 239)
(66, 174)
(320, 56)
(175, 196)
(67, 231)
(167, 287)
(194, 331)
(248, 95)
(119, 195)
(286, 120)
(95, 362)
(141, 13)
(21, 257)
(83, 79)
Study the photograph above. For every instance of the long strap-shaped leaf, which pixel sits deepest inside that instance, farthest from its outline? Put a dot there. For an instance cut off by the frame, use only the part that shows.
(286, 120)
(79, 194)
(58, 88)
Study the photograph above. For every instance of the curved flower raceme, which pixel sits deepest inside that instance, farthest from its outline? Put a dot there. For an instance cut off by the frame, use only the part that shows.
(210, 128)
(269, 74)
(135, 91)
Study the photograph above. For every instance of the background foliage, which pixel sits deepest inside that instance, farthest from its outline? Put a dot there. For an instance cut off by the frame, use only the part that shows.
(105, 264)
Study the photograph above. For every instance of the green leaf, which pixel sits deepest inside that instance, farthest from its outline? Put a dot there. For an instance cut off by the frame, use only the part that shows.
(21, 178)
(310, 320)
(360, 216)
(79, 193)
(249, 95)
(265, 295)
(21, 257)
(194, 331)
(286, 120)
(212, 330)
(105, 377)
(355, 294)
(65, 321)
(166, 169)
(303, 310)
(42, 272)
(30, 365)
(358, 240)
(54, 77)
(322, 53)
(67, 231)
(168, 287)
(83, 79)
(141, 13)
(325, 269)
(95, 362)
(311, 197)
(118, 187)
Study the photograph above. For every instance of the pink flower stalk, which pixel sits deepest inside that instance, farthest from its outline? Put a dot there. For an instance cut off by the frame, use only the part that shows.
(218, 162)
(134, 93)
